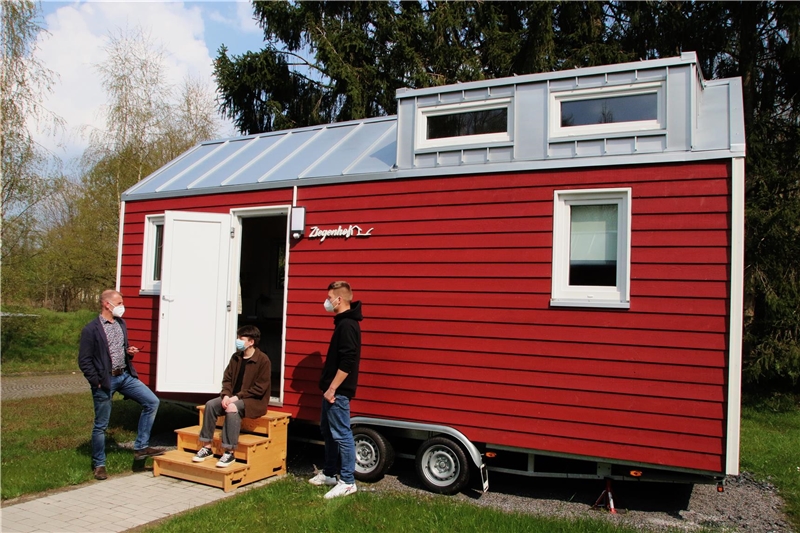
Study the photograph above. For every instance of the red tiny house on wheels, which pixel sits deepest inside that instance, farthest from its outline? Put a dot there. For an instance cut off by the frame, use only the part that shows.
(526, 290)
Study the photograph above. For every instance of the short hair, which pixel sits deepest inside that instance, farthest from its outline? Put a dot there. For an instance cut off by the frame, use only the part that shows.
(342, 288)
(249, 331)
(107, 295)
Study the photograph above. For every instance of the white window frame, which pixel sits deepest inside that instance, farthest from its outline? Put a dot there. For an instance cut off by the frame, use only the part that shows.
(423, 113)
(557, 97)
(150, 285)
(565, 295)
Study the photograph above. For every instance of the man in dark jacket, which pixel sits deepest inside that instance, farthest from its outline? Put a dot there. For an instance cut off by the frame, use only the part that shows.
(104, 358)
(245, 394)
(338, 384)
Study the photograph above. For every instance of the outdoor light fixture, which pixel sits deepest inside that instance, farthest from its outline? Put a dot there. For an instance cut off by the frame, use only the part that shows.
(298, 222)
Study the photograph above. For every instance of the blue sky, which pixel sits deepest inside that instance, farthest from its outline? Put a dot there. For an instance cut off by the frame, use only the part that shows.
(190, 34)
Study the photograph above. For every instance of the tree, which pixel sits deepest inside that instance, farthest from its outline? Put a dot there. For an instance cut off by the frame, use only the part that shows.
(148, 123)
(24, 82)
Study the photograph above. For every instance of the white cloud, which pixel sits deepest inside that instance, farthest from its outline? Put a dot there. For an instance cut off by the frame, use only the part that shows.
(78, 34)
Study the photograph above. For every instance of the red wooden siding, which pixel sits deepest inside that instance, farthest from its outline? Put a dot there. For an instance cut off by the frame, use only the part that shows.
(458, 330)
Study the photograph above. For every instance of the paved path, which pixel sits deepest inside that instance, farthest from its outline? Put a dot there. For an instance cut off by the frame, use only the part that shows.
(117, 504)
(30, 386)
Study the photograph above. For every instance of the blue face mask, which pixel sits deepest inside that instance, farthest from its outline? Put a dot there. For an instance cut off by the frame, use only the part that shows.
(239, 345)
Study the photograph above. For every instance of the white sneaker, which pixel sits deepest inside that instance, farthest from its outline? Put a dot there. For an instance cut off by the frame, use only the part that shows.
(341, 489)
(321, 479)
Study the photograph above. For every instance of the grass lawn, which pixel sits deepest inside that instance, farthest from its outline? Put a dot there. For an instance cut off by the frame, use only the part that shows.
(45, 342)
(293, 505)
(770, 448)
(47, 441)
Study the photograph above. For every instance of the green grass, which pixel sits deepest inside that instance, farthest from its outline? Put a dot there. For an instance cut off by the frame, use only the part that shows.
(47, 441)
(293, 505)
(47, 342)
(770, 447)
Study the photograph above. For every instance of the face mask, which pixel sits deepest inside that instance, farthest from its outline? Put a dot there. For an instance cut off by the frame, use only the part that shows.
(118, 311)
(328, 306)
(239, 345)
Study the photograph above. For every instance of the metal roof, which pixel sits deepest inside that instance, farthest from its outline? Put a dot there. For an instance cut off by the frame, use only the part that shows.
(267, 159)
(702, 120)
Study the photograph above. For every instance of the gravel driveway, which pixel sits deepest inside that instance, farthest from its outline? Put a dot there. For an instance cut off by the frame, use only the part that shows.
(746, 505)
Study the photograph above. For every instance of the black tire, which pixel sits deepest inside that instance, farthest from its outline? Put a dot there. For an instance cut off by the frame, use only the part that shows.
(442, 466)
(374, 454)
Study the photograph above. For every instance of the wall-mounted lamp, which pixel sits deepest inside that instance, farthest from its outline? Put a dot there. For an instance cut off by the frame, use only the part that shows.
(298, 222)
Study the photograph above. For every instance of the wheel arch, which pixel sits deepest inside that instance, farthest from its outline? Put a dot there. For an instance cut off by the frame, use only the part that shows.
(469, 447)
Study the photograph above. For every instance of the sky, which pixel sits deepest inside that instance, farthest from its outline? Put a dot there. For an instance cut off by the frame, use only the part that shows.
(77, 32)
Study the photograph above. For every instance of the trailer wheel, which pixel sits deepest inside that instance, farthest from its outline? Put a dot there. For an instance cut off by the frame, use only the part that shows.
(374, 454)
(442, 466)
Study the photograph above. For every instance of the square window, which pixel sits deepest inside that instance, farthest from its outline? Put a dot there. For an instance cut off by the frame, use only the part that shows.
(591, 248)
(152, 254)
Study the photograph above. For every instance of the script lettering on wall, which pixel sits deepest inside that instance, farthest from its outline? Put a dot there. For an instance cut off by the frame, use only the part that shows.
(351, 231)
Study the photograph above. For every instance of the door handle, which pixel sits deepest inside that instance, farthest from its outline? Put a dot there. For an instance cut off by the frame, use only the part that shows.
(166, 299)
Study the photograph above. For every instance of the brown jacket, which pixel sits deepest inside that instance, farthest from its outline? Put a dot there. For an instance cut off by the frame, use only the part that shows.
(255, 384)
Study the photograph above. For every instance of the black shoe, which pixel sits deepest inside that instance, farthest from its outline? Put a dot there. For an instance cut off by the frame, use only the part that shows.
(100, 473)
(227, 459)
(144, 453)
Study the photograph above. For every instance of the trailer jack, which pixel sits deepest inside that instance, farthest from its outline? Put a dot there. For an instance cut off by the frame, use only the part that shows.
(606, 499)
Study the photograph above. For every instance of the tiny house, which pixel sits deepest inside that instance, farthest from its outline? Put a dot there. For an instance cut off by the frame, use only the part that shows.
(550, 267)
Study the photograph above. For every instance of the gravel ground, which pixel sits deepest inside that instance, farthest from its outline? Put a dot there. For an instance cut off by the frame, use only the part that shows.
(745, 506)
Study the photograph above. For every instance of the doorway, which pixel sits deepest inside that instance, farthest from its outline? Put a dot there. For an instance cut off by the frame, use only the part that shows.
(262, 286)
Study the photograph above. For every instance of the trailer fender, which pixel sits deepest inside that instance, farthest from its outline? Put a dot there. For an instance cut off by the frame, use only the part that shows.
(473, 452)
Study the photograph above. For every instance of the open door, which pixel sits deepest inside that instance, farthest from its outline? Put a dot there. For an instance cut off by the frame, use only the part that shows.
(193, 345)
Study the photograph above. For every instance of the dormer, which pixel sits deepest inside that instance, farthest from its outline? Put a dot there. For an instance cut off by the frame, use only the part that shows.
(630, 110)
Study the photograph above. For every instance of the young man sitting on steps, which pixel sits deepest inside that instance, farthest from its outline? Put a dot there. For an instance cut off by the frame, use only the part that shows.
(245, 394)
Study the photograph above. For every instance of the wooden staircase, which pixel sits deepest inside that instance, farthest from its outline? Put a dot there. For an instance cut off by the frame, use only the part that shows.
(260, 453)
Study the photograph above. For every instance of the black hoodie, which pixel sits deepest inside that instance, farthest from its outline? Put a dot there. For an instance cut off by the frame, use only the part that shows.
(344, 351)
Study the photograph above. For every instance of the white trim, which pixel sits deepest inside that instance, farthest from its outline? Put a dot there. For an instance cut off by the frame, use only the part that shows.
(119, 244)
(562, 293)
(148, 285)
(558, 131)
(237, 214)
(421, 140)
(736, 316)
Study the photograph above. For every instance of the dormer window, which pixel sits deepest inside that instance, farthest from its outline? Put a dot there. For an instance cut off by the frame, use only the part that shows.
(470, 123)
(628, 108)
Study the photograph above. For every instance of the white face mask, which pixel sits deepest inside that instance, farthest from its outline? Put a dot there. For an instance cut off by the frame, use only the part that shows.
(118, 311)
(328, 306)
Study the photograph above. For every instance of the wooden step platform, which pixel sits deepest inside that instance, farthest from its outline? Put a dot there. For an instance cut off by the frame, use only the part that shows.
(260, 453)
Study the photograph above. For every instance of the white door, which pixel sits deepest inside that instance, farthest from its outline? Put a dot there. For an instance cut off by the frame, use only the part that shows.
(193, 345)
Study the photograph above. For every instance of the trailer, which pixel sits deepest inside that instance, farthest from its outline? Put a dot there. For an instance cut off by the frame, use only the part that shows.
(550, 267)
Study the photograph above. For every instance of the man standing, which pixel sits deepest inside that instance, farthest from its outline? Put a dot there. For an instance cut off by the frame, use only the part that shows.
(105, 360)
(338, 384)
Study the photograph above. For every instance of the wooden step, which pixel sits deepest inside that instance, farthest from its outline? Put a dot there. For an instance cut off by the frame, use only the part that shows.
(179, 464)
(189, 440)
(263, 425)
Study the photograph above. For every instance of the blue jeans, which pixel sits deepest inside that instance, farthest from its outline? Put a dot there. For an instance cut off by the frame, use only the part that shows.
(137, 391)
(340, 449)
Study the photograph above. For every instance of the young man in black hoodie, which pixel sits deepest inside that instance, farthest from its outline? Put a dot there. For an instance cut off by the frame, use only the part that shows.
(338, 385)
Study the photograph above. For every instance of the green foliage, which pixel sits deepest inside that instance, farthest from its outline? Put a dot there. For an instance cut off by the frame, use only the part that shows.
(47, 441)
(41, 340)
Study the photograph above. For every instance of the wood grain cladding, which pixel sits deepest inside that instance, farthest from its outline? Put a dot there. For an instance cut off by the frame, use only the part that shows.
(458, 330)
